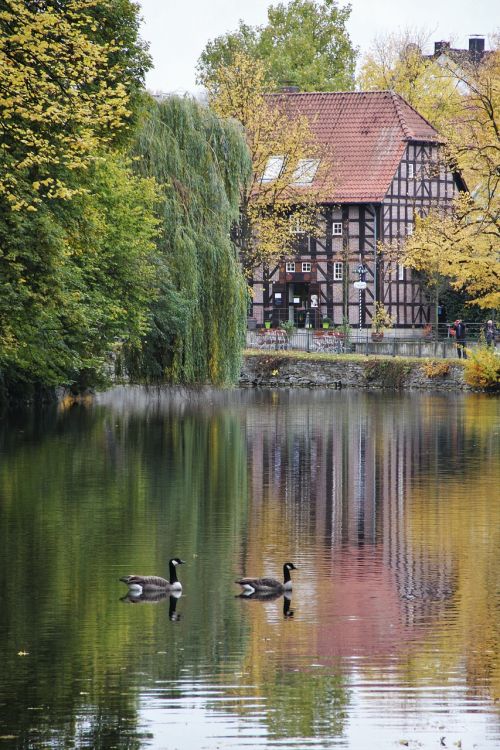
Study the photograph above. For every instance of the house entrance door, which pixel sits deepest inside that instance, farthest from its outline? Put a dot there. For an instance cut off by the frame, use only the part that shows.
(298, 303)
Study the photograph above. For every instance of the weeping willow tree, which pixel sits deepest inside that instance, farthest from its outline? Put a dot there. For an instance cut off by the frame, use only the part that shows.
(197, 325)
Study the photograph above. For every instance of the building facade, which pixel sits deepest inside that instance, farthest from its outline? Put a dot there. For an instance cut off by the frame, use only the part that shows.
(387, 168)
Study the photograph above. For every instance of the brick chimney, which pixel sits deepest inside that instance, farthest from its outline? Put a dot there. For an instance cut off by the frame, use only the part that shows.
(440, 47)
(476, 46)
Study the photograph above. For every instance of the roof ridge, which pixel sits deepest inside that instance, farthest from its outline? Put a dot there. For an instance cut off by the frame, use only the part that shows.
(404, 127)
(328, 93)
(397, 99)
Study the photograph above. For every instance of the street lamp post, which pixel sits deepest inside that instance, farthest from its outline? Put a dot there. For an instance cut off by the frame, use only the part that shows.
(360, 285)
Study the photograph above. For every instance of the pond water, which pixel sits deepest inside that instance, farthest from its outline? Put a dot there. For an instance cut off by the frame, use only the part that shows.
(387, 504)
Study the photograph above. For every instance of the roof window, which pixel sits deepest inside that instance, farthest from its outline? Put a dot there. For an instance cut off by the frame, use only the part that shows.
(273, 168)
(305, 172)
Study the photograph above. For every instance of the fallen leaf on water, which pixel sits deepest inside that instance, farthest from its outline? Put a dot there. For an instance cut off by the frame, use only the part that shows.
(23, 653)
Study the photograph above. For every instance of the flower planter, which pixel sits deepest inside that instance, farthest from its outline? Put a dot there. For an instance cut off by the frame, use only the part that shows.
(326, 325)
(427, 332)
(267, 324)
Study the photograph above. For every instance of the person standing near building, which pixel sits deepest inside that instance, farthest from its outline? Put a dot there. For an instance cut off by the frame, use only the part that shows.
(460, 334)
(490, 333)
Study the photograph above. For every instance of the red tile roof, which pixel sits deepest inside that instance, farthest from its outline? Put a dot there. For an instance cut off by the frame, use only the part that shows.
(368, 132)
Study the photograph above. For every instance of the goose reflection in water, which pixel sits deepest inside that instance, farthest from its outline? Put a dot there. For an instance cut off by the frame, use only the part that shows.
(154, 597)
(262, 596)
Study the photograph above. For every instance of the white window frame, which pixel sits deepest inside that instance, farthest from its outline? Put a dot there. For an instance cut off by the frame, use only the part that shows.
(337, 229)
(338, 270)
(411, 170)
(273, 168)
(401, 272)
(305, 171)
(290, 266)
(295, 225)
(306, 267)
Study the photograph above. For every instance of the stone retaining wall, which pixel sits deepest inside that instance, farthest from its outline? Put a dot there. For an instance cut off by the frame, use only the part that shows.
(273, 369)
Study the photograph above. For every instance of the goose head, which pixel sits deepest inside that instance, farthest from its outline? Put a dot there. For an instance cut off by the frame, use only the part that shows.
(176, 561)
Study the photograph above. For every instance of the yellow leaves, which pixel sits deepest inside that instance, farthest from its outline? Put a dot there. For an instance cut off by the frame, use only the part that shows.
(395, 62)
(237, 91)
(457, 246)
(482, 367)
(61, 98)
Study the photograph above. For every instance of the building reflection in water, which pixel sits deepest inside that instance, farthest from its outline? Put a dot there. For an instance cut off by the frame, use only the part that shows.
(342, 468)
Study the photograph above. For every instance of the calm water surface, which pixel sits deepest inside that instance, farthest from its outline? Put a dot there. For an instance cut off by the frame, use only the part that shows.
(387, 504)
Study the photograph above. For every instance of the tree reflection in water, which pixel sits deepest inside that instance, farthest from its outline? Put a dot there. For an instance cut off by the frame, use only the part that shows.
(387, 503)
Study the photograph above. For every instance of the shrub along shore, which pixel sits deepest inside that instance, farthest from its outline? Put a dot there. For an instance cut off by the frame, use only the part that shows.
(302, 369)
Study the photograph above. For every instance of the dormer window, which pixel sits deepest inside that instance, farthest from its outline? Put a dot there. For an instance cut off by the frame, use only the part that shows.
(273, 169)
(305, 171)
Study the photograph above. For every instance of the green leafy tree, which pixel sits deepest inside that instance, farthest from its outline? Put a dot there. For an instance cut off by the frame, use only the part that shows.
(304, 43)
(198, 322)
(76, 225)
(76, 278)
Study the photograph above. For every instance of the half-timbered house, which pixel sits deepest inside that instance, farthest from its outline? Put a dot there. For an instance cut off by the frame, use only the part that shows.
(386, 169)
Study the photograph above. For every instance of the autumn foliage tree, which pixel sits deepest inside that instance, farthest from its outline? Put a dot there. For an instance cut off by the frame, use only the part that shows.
(76, 225)
(396, 62)
(62, 97)
(464, 245)
(275, 203)
(461, 97)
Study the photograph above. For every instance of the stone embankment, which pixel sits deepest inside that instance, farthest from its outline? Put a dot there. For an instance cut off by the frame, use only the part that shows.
(281, 369)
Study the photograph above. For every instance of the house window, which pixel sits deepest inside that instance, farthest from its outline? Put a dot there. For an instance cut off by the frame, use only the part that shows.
(411, 171)
(273, 168)
(306, 268)
(337, 227)
(290, 266)
(295, 225)
(401, 273)
(338, 271)
(305, 172)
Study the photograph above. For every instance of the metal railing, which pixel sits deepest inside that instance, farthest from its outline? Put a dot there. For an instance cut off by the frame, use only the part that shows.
(422, 342)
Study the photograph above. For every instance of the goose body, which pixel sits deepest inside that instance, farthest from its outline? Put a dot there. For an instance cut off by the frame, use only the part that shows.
(155, 583)
(268, 585)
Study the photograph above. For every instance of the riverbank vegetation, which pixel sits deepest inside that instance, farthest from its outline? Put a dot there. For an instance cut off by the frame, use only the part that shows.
(480, 371)
(198, 321)
(114, 210)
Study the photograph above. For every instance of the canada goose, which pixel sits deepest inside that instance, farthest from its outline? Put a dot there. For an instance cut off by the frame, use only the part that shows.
(155, 583)
(268, 584)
